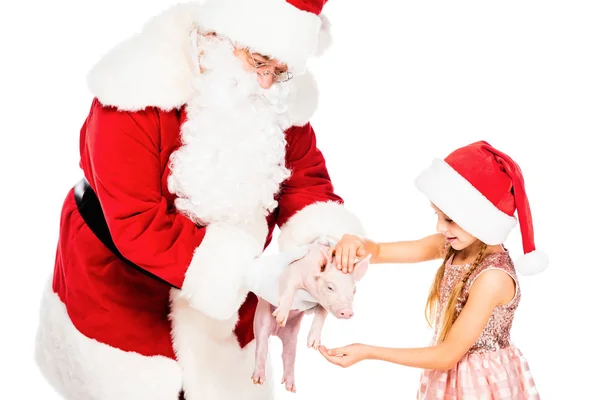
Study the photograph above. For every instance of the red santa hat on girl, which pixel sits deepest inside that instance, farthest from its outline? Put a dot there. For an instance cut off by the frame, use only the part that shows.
(480, 188)
(290, 30)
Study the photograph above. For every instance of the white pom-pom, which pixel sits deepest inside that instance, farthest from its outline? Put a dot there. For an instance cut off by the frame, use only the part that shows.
(303, 100)
(325, 38)
(532, 263)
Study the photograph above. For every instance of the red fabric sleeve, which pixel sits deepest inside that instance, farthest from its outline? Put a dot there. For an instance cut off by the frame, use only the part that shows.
(309, 209)
(126, 171)
(310, 181)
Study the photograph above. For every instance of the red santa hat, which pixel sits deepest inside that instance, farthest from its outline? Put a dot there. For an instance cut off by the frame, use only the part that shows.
(290, 30)
(480, 188)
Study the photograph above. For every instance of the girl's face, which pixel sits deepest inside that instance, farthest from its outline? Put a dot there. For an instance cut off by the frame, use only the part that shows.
(457, 237)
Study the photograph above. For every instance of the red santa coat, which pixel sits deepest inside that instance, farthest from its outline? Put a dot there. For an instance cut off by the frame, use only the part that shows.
(109, 331)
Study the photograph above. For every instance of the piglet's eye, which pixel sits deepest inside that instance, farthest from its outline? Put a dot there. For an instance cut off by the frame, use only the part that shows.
(330, 288)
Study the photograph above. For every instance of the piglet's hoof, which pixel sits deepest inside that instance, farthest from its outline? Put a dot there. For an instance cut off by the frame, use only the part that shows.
(259, 378)
(290, 385)
(314, 343)
(281, 316)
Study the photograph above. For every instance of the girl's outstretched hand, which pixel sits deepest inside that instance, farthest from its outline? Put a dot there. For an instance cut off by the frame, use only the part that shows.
(346, 356)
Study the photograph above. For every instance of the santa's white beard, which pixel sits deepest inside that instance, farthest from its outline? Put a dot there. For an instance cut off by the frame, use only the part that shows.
(232, 159)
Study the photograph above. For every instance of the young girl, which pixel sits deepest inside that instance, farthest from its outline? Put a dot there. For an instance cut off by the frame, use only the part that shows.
(475, 192)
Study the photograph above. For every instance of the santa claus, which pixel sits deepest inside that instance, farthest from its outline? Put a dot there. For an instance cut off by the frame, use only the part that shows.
(197, 144)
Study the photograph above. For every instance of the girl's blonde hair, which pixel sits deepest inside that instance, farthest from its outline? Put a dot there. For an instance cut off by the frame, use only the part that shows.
(449, 314)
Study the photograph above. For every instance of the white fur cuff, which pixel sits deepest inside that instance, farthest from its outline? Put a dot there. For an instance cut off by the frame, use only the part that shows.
(318, 219)
(215, 281)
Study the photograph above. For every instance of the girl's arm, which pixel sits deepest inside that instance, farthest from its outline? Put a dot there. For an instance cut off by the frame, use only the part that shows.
(351, 247)
(491, 289)
(411, 251)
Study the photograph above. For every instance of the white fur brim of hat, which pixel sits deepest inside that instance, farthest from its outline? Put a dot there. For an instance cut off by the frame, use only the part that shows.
(271, 27)
(462, 202)
(473, 212)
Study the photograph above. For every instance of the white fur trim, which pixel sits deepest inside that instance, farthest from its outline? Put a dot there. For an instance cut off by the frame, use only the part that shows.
(82, 368)
(304, 99)
(214, 366)
(462, 202)
(325, 36)
(532, 263)
(153, 68)
(215, 282)
(318, 219)
(272, 27)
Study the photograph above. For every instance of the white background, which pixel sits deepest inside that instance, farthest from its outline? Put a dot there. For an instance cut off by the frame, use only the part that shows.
(404, 82)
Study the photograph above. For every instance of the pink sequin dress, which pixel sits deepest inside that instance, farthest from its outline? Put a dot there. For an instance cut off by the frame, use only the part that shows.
(493, 368)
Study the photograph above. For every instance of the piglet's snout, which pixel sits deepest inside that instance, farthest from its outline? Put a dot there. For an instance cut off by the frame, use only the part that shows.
(345, 313)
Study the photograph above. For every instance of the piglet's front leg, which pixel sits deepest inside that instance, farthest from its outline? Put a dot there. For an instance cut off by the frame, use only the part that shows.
(314, 335)
(288, 286)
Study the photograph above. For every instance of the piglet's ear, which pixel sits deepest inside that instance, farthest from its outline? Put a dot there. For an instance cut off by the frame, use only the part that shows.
(325, 240)
(323, 263)
(360, 268)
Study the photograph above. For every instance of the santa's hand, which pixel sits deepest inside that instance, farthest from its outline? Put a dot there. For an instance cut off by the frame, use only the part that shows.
(263, 273)
(303, 301)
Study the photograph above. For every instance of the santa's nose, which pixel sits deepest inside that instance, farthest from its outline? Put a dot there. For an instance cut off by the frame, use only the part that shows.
(346, 313)
(266, 81)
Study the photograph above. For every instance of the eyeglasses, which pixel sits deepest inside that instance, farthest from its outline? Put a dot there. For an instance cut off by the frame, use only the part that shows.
(262, 68)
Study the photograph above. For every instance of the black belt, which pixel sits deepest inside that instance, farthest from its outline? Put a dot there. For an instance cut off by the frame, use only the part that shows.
(91, 212)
